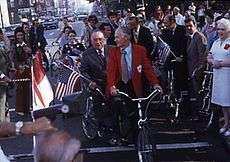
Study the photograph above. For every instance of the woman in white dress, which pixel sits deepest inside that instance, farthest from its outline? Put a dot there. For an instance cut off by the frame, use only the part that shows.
(219, 59)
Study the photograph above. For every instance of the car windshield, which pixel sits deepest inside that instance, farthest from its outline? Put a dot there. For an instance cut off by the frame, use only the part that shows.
(11, 28)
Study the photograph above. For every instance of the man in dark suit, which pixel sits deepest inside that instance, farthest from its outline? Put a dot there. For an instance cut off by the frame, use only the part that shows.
(93, 66)
(38, 40)
(196, 55)
(127, 63)
(93, 63)
(175, 36)
(141, 35)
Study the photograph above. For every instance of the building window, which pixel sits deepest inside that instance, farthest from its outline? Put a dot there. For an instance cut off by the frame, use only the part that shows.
(12, 3)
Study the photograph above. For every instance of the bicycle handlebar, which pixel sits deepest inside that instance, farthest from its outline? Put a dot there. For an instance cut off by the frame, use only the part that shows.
(100, 92)
(151, 95)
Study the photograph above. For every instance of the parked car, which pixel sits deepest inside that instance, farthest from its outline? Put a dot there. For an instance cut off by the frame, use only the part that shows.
(81, 17)
(50, 23)
(9, 30)
(71, 18)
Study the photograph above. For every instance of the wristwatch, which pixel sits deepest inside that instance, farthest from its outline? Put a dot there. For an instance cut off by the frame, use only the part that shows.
(18, 127)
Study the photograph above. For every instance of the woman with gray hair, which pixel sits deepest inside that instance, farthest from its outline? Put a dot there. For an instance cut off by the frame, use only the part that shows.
(219, 59)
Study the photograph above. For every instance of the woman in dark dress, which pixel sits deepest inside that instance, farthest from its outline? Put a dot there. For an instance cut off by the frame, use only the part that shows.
(22, 58)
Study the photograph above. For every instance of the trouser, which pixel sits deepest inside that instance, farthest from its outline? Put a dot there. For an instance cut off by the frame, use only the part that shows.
(125, 112)
(194, 94)
(2, 103)
(23, 91)
(124, 118)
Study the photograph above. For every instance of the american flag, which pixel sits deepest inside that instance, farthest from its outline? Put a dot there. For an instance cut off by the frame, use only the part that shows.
(163, 51)
(66, 83)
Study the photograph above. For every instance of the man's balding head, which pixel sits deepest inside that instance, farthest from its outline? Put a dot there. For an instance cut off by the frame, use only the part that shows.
(97, 39)
(123, 37)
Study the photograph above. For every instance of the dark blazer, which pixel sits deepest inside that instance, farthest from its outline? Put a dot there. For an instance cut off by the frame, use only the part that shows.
(36, 37)
(177, 40)
(140, 66)
(145, 39)
(197, 51)
(93, 67)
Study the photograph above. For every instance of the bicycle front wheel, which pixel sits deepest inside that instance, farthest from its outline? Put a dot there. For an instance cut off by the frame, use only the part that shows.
(145, 147)
(89, 122)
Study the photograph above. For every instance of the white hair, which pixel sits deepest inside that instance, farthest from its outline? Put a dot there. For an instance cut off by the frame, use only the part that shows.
(98, 32)
(225, 22)
(176, 9)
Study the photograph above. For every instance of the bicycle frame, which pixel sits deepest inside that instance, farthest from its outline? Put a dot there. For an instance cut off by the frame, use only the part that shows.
(142, 118)
(144, 146)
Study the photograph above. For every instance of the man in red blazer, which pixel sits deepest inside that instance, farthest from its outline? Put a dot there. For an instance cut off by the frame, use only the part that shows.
(137, 65)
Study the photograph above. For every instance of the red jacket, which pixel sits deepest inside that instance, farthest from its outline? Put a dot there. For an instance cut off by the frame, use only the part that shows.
(140, 65)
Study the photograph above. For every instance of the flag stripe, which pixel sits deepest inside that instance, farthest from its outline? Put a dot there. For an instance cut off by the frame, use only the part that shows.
(163, 51)
(66, 83)
(43, 93)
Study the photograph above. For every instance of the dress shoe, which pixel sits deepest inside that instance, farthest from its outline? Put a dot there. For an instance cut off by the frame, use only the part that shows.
(113, 141)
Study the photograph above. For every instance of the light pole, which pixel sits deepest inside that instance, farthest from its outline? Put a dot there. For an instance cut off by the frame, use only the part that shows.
(1, 16)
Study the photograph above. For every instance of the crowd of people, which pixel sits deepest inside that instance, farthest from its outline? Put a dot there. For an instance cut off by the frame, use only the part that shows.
(121, 53)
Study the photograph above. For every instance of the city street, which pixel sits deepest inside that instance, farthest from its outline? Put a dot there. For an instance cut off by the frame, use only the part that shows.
(52, 34)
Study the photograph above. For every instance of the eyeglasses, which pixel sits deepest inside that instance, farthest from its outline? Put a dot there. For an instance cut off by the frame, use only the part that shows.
(220, 29)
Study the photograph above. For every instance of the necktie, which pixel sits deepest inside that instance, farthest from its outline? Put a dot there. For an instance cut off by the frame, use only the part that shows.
(189, 40)
(124, 67)
(101, 57)
(135, 36)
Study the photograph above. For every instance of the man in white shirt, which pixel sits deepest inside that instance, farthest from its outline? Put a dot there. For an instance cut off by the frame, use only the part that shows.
(179, 18)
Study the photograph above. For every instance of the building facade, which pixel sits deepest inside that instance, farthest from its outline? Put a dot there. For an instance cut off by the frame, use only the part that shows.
(29, 9)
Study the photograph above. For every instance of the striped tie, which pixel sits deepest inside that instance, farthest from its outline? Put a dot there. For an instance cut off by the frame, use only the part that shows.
(124, 67)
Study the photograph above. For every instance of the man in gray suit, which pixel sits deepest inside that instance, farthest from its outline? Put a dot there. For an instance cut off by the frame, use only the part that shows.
(196, 55)
(93, 66)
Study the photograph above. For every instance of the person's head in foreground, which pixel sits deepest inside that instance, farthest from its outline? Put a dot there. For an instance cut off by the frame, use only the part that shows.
(56, 146)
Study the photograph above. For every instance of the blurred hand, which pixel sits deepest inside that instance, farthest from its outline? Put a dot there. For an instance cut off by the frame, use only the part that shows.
(179, 59)
(113, 91)
(43, 124)
(92, 85)
(6, 79)
(27, 49)
(40, 125)
(216, 64)
(210, 58)
(21, 69)
(158, 87)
